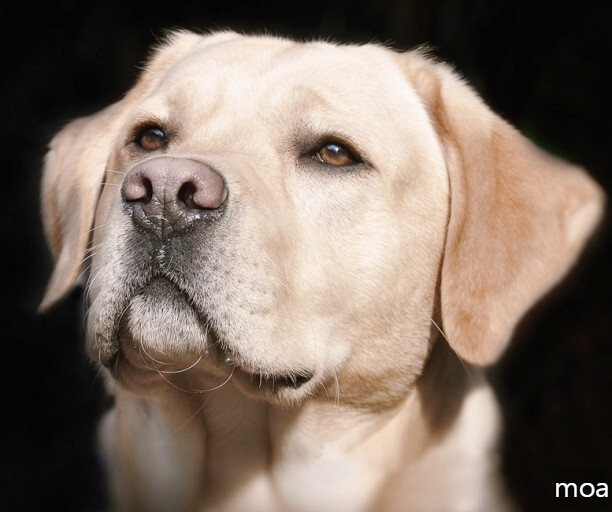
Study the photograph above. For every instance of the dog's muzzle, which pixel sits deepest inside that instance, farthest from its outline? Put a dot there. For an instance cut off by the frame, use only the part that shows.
(175, 203)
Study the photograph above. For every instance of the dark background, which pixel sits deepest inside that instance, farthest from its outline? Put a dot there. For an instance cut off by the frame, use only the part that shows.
(545, 67)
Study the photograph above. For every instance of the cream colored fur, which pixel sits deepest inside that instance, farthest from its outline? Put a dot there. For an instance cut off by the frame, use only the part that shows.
(448, 221)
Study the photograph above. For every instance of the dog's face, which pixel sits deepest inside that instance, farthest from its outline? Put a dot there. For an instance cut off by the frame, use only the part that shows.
(315, 238)
(284, 215)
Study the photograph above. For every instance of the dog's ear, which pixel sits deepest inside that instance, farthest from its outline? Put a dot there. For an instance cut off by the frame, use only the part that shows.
(72, 176)
(519, 217)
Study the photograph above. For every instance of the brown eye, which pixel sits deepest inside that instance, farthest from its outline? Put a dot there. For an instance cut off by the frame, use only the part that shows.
(334, 153)
(151, 138)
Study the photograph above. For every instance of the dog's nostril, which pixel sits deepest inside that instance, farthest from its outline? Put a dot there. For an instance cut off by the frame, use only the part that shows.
(167, 195)
(147, 194)
(147, 191)
(193, 184)
(138, 190)
(186, 195)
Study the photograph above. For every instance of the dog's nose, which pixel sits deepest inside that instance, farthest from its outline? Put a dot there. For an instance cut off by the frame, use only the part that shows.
(167, 195)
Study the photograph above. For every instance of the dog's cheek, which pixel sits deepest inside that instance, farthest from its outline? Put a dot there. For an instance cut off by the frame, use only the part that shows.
(383, 290)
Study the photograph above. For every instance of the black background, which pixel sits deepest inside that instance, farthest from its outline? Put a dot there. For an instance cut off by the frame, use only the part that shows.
(543, 66)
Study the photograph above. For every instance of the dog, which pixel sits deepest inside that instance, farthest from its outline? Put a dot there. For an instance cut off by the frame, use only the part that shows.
(300, 257)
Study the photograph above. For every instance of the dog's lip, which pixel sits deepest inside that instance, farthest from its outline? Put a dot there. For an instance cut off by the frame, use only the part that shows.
(109, 354)
(254, 379)
(217, 352)
(258, 379)
(294, 379)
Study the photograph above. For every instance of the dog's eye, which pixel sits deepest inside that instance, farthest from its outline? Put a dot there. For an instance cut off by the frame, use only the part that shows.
(151, 138)
(335, 154)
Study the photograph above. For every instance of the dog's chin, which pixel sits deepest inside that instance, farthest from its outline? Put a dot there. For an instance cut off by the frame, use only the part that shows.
(165, 343)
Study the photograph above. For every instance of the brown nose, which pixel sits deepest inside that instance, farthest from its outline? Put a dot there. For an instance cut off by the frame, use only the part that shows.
(167, 195)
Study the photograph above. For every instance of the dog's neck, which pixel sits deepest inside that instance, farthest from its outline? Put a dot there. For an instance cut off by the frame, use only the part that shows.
(228, 451)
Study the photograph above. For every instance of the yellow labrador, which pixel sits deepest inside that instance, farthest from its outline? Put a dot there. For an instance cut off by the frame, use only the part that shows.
(300, 255)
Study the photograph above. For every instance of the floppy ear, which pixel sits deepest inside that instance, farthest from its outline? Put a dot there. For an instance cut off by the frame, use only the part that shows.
(519, 217)
(72, 176)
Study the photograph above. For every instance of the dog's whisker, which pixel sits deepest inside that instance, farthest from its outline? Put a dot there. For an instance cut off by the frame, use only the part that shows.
(162, 373)
(171, 383)
(196, 412)
(200, 391)
(282, 275)
(143, 349)
(97, 226)
(337, 389)
(93, 278)
(216, 387)
(435, 324)
(90, 254)
(85, 270)
(468, 369)
(183, 370)
(143, 352)
(90, 282)
(92, 249)
(113, 171)
(100, 357)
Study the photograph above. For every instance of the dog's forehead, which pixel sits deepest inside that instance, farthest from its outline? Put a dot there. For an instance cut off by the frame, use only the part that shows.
(258, 57)
(254, 69)
(287, 89)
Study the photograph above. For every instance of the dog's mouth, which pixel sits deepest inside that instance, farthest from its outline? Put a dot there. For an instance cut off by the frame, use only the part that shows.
(271, 382)
(162, 338)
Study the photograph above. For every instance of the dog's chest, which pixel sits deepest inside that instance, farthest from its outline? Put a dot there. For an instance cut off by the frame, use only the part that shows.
(279, 461)
(330, 482)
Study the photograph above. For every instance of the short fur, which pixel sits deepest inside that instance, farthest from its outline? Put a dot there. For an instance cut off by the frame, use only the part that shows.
(313, 340)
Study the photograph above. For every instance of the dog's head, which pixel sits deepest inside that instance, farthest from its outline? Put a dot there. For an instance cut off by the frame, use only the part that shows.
(288, 215)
